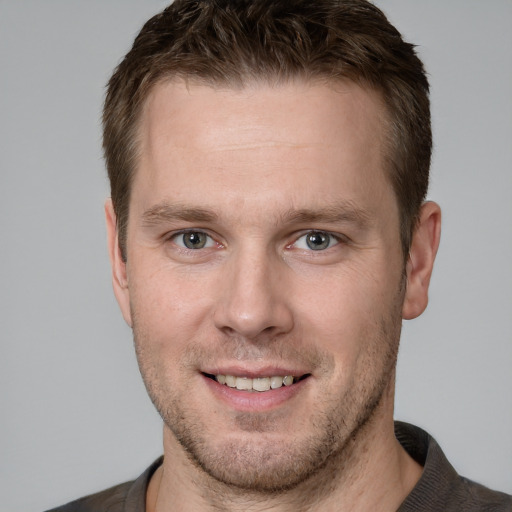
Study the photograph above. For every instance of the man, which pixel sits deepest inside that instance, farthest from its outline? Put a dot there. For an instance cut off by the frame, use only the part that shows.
(268, 233)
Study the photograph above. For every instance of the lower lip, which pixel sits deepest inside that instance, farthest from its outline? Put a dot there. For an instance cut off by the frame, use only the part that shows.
(254, 401)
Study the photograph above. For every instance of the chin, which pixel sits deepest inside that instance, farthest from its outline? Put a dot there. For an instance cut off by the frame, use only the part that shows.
(265, 454)
(258, 463)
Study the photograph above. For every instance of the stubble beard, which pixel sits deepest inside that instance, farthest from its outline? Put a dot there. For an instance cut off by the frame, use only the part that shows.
(259, 463)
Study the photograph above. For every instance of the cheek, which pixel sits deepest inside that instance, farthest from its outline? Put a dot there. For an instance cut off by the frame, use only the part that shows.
(169, 307)
(344, 312)
(339, 299)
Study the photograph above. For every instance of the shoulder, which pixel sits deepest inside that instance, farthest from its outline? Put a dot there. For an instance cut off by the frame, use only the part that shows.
(126, 497)
(473, 497)
(481, 498)
(440, 486)
(109, 500)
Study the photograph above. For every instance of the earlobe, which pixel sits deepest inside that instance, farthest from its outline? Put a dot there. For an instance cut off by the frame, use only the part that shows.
(424, 245)
(119, 275)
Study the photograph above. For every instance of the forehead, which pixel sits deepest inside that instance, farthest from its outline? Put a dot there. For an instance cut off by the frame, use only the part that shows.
(284, 141)
(191, 109)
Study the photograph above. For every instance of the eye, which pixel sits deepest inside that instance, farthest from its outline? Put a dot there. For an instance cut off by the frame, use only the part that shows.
(316, 241)
(193, 240)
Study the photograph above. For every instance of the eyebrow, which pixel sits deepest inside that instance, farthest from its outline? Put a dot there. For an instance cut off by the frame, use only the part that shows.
(343, 211)
(169, 212)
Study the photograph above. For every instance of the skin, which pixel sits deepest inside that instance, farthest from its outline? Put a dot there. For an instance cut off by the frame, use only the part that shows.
(256, 170)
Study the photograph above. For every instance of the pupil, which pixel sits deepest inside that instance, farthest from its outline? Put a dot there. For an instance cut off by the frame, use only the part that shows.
(194, 240)
(317, 241)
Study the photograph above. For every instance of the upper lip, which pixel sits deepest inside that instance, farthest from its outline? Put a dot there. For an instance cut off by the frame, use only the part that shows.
(255, 373)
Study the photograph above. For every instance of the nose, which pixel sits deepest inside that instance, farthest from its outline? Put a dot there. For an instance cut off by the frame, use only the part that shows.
(253, 303)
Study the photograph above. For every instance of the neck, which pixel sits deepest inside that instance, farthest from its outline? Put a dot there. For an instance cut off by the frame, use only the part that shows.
(371, 472)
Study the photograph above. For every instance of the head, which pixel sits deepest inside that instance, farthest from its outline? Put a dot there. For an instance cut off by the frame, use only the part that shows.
(268, 167)
(232, 43)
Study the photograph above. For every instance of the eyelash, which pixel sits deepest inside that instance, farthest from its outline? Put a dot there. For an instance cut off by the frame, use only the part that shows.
(337, 239)
(332, 240)
(210, 240)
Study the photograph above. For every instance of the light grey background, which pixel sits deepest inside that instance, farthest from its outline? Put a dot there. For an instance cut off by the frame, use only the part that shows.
(74, 414)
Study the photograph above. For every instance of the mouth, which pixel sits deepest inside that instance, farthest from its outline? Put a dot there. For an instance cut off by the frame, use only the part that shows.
(257, 384)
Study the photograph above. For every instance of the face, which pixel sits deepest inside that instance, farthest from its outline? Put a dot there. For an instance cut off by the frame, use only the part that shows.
(264, 275)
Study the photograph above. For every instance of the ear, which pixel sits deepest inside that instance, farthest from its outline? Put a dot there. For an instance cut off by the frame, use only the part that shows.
(119, 276)
(424, 245)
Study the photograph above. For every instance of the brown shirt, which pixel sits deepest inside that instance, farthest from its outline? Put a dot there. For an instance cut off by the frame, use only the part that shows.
(440, 488)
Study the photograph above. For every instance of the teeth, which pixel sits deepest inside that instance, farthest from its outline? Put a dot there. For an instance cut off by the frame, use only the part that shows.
(230, 380)
(260, 384)
(288, 380)
(276, 382)
(243, 383)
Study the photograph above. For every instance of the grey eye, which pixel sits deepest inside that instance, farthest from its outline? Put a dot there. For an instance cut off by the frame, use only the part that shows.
(194, 240)
(317, 240)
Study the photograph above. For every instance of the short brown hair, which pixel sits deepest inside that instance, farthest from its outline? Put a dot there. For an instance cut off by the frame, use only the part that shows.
(232, 42)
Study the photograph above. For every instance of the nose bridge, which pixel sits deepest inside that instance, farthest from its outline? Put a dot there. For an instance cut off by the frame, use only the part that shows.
(252, 301)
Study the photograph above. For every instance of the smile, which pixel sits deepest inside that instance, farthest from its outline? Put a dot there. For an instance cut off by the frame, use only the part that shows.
(259, 384)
